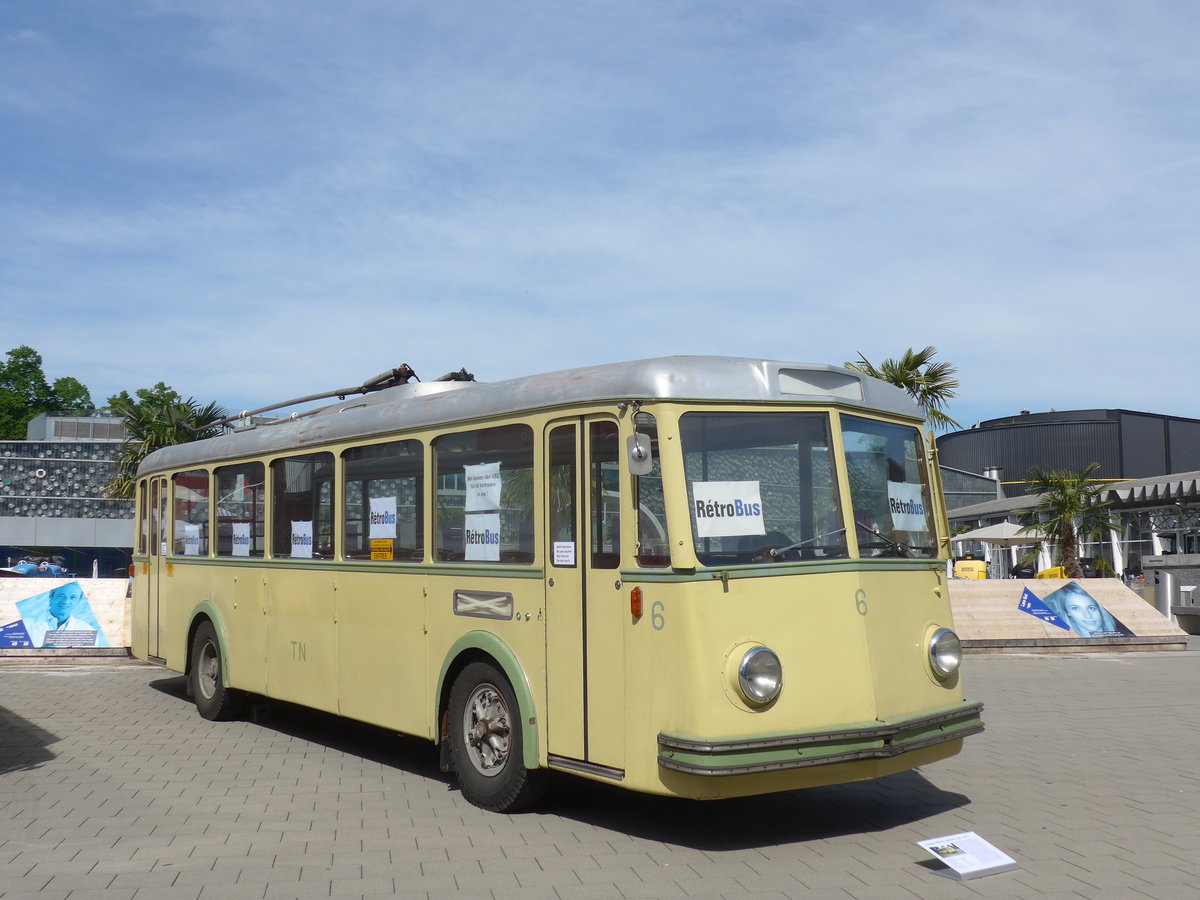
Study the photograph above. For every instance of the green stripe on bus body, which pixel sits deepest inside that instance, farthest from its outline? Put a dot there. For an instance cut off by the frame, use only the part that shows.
(868, 740)
(329, 565)
(503, 571)
(504, 656)
(763, 760)
(773, 570)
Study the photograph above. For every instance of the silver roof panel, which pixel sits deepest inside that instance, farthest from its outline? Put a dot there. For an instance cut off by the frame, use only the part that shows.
(423, 404)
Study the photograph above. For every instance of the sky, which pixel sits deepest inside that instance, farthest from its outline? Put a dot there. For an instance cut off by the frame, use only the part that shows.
(252, 200)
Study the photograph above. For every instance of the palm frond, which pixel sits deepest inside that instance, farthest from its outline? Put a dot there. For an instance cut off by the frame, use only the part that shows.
(152, 425)
(931, 384)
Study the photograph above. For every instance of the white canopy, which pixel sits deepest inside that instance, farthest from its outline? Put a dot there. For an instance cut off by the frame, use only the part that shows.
(1004, 534)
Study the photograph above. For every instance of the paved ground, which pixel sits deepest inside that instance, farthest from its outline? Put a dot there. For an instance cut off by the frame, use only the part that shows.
(111, 786)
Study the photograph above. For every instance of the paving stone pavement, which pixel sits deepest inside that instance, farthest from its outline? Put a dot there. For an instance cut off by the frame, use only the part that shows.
(112, 787)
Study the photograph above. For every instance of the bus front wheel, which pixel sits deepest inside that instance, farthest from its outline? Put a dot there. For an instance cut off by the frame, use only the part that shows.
(485, 742)
(206, 678)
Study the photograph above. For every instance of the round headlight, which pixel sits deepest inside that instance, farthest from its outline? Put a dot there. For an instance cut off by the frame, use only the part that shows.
(945, 652)
(760, 675)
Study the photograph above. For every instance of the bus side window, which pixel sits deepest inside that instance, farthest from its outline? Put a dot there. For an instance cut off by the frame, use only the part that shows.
(191, 513)
(653, 548)
(302, 507)
(605, 491)
(241, 510)
(562, 493)
(143, 519)
(384, 500)
(484, 495)
(158, 517)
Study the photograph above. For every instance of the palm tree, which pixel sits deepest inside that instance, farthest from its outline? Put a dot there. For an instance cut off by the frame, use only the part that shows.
(153, 424)
(1069, 508)
(930, 384)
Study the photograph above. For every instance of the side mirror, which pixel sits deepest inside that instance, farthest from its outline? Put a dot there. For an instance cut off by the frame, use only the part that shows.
(641, 461)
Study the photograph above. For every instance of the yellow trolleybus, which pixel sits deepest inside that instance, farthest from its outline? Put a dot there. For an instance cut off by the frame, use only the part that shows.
(697, 576)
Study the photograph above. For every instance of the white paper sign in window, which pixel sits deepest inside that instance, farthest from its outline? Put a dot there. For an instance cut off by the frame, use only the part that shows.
(383, 518)
(483, 487)
(482, 537)
(906, 502)
(301, 540)
(564, 553)
(241, 538)
(727, 508)
(191, 539)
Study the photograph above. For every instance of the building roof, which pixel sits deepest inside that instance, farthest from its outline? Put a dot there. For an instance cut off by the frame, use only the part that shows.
(1154, 491)
(1157, 489)
(998, 507)
(1065, 416)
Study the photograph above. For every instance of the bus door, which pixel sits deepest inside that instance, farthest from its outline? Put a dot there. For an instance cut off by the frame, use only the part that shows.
(158, 556)
(585, 706)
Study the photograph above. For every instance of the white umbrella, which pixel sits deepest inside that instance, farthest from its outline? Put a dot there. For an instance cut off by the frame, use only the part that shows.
(1003, 534)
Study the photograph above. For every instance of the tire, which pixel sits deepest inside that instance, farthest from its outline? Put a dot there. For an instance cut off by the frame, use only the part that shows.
(485, 742)
(206, 678)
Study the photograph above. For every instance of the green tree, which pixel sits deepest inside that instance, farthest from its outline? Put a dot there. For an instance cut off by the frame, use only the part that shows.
(160, 394)
(25, 393)
(1069, 508)
(930, 384)
(72, 398)
(158, 418)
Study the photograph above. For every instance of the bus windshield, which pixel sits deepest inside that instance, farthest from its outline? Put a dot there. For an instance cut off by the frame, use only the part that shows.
(761, 487)
(889, 487)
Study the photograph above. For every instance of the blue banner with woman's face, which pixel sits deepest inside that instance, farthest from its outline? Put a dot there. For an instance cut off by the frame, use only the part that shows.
(1083, 613)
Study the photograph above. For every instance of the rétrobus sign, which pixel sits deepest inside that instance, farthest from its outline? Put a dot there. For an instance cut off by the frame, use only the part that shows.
(728, 508)
(907, 506)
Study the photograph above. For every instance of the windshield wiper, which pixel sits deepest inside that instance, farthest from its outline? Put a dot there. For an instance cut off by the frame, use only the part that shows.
(902, 549)
(779, 551)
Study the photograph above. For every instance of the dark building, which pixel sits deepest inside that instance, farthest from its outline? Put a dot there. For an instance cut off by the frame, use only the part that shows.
(1126, 444)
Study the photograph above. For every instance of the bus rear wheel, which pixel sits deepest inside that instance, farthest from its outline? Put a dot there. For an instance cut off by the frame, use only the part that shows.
(485, 742)
(206, 680)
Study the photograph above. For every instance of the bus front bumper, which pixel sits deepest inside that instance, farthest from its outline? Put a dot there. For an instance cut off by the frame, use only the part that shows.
(876, 740)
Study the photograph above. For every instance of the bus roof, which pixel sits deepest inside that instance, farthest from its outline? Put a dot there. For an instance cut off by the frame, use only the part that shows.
(423, 404)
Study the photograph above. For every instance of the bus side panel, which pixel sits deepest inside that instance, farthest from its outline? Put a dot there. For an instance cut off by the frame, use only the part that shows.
(382, 659)
(523, 632)
(235, 596)
(301, 638)
(900, 609)
(239, 594)
(139, 600)
(181, 587)
(809, 621)
(843, 664)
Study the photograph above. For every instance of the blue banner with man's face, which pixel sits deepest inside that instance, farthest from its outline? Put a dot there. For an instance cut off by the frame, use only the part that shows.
(61, 617)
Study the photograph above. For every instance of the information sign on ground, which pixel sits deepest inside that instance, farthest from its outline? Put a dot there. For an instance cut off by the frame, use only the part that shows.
(967, 855)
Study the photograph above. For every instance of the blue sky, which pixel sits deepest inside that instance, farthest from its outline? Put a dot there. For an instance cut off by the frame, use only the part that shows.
(256, 200)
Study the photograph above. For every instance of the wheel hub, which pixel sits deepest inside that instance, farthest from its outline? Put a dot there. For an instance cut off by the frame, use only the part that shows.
(486, 729)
